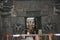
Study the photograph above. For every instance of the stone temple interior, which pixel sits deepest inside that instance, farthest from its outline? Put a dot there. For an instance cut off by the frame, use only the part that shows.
(29, 19)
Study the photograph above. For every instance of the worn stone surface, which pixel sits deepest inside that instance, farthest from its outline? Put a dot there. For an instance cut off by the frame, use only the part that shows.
(7, 24)
(22, 7)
